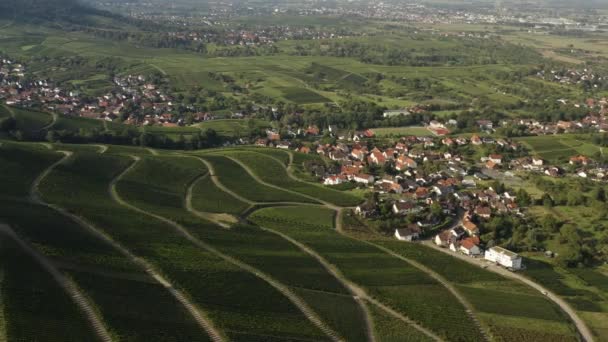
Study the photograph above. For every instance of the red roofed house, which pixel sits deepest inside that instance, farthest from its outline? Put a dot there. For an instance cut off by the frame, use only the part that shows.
(484, 212)
(377, 158)
(579, 160)
(470, 227)
(469, 246)
(496, 158)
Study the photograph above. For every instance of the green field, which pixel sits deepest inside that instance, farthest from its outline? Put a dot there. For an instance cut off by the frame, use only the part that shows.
(232, 127)
(238, 180)
(396, 283)
(559, 148)
(239, 306)
(272, 172)
(402, 131)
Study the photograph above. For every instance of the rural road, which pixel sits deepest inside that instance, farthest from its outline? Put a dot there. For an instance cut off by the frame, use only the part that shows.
(582, 328)
(67, 284)
(282, 288)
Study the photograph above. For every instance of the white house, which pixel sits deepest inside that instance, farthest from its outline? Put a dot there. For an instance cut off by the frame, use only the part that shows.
(363, 178)
(398, 112)
(504, 257)
(410, 233)
(537, 161)
(404, 208)
(333, 180)
(443, 239)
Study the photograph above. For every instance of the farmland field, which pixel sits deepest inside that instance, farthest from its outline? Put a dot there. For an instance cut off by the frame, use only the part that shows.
(272, 172)
(398, 284)
(207, 197)
(31, 121)
(195, 271)
(559, 148)
(41, 304)
(263, 250)
(106, 276)
(302, 95)
(402, 131)
(239, 181)
(232, 127)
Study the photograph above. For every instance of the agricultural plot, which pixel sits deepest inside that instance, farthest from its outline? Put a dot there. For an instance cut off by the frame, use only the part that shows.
(390, 280)
(33, 302)
(97, 269)
(236, 301)
(4, 113)
(475, 285)
(272, 172)
(263, 250)
(558, 148)
(402, 131)
(20, 165)
(302, 95)
(388, 328)
(105, 276)
(77, 147)
(281, 155)
(238, 180)
(232, 128)
(31, 121)
(127, 150)
(75, 124)
(207, 197)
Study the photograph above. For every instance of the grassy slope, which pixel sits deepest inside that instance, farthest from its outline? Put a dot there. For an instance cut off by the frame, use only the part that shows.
(271, 172)
(41, 303)
(239, 181)
(100, 271)
(207, 197)
(235, 301)
(148, 187)
(388, 279)
(34, 302)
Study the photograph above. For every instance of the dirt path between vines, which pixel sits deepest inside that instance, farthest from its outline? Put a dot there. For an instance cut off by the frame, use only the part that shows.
(196, 313)
(283, 289)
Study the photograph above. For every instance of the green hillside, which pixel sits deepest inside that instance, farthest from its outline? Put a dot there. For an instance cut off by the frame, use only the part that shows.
(280, 271)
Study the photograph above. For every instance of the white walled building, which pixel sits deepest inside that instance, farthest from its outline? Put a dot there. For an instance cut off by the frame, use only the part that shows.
(504, 257)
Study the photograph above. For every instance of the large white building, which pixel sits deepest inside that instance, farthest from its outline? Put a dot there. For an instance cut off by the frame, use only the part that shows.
(504, 257)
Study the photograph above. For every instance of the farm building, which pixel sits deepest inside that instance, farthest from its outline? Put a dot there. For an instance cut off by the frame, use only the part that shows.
(504, 257)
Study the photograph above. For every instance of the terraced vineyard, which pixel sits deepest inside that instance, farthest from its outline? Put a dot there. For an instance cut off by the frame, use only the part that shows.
(227, 245)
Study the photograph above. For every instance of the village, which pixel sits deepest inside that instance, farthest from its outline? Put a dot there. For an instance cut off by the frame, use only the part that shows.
(134, 99)
(436, 188)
